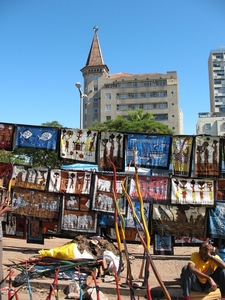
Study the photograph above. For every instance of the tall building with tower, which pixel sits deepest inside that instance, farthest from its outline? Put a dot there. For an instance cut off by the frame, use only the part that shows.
(108, 95)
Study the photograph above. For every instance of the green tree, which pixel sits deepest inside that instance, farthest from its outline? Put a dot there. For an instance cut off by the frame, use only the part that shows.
(138, 121)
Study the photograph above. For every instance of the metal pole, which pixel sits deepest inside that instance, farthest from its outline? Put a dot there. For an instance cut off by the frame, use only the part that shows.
(78, 85)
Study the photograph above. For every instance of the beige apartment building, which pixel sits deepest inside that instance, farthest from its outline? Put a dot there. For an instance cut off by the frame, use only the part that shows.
(108, 95)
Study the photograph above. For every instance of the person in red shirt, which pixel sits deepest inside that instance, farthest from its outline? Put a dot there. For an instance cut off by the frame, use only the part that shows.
(204, 272)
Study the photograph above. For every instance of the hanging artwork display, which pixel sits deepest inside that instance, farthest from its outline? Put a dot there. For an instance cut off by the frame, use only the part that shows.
(6, 136)
(131, 235)
(38, 137)
(192, 191)
(70, 182)
(111, 149)
(163, 245)
(79, 221)
(77, 202)
(33, 203)
(103, 197)
(217, 220)
(129, 220)
(29, 177)
(15, 227)
(79, 145)
(6, 171)
(182, 148)
(154, 189)
(207, 156)
(175, 220)
(150, 151)
(34, 232)
(220, 190)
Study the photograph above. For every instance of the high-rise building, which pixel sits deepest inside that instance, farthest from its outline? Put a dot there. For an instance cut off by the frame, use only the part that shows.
(109, 95)
(216, 69)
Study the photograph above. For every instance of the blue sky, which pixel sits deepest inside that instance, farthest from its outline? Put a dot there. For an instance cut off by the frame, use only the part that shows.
(45, 43)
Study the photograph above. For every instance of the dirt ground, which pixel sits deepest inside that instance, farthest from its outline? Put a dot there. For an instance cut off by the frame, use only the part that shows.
(167, 266)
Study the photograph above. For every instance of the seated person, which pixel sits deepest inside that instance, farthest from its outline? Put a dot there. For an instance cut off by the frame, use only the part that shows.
(204, 272)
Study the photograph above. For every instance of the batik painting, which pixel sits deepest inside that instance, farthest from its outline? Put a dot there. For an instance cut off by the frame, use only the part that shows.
(162, 245)
(33, 203)
(77, 202)
(182, 148)
(70, 182)
(79, 221)
(207, 156)
(36, 137)
(6, 171)
(79, 145)
(34, 232)
(6, 136)
(129, 220)
(14, 227)
(111, 149)
(175, 220)
(103, 198)
(220, 190)
(150, 151)
(153, 188)
(217, 221)
(131, 235)
(190, 240)
(29, 177)
(192, 191)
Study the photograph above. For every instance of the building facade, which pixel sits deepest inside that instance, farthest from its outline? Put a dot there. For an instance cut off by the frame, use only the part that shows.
(211, 123)
(109, 95)
(216, 69)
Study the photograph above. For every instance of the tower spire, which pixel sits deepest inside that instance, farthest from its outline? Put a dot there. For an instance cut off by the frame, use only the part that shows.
(95, 55)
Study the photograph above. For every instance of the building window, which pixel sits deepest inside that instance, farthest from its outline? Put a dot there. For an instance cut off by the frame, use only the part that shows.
(208, 126)
(95, 110)
(108, 96)
(95, 88)
(95, 119)
(95, 99)
(108, 107)
(95, 77)
(122, 107)
(161, 117)
(108, 118)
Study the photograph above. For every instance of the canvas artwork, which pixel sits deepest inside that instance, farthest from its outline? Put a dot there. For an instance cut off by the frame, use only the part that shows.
(217, 220)
(131, 235)
(79, 145)
(6, 136)
(111, 149)
(192, 191)
(207, 156)
(29, 177)
(14, 226)
(6, 171)
(153, 188)
(34, 232)
(220, 190)
(182, 148)
(103, 197)
(70, 182)
(77, 202)
(163, 245)
(36, 137)
(130, 222)
(33, 203)
(175, 220)
(79, 221)
(150, 151)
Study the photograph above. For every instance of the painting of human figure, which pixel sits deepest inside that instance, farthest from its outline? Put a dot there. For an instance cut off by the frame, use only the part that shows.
(207, 156)
(6, 136)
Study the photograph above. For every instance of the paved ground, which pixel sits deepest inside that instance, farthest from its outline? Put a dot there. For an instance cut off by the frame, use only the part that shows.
(168, 268)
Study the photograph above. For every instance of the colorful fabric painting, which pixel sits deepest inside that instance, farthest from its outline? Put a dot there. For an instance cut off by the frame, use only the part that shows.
(6, 172)
(131, 235)
(79, 145)
(162, 245)
(77, 202)
(220, 190)
(182, 148)
(207, 156)
(32, 203)
(29, 177)
(79, 221)
(6, 136)
(175, 220)
(14, 227)
(70, 182)
(154, 189)
(217, 221)
(34, 232)
(150, 151)
(103, 198)
(130, 222)
(111, 149)
(192, 191)
(36, 137)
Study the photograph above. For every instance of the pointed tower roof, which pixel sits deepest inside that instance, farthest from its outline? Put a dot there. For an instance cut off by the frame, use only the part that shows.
(95, 54)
